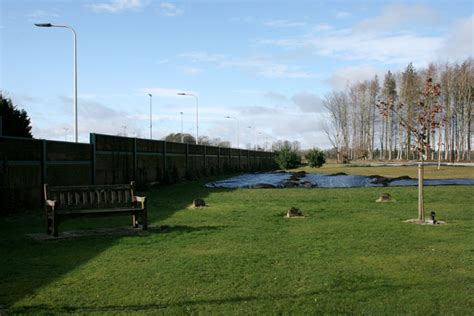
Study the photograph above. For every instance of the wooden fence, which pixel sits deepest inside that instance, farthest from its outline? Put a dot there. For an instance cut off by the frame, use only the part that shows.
(25, 164)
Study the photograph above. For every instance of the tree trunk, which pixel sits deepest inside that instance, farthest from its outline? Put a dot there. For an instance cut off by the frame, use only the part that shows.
(421, 206)
(439, 148)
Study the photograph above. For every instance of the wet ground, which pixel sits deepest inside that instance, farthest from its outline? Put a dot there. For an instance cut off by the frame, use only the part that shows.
(318, 180)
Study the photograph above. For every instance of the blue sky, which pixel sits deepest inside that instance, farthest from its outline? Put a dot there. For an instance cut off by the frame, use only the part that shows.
(266, 63)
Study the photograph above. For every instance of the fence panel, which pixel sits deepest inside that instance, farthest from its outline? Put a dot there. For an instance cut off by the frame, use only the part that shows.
(109, 160)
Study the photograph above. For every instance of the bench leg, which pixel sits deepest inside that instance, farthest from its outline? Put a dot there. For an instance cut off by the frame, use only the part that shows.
(134, 221)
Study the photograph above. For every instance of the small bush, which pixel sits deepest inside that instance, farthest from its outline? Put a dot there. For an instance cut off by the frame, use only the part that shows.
(288, 158)
(315, 158)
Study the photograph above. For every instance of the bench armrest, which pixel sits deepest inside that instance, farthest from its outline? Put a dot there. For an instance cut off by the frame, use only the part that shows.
(141, 200)
(51, 203)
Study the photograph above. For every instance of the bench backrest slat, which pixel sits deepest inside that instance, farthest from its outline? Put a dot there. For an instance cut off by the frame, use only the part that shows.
(93, 196)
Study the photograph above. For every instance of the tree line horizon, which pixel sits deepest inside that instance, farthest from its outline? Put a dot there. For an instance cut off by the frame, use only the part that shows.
(360, 128)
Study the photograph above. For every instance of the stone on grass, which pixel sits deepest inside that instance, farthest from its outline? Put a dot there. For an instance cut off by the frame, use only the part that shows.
(426, 222)
(294, 212)
(306, 184)
(199, 203)
(296, 176)
(291, 184)
(263, 186)
(385, 197)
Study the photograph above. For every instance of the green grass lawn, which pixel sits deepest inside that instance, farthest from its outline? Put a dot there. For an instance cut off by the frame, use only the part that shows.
(240, 256)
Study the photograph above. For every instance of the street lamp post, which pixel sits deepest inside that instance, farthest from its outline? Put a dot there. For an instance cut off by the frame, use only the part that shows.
(151, 121)
(75, 70)
(254, 135)
(182, 140)
(197, 113)
(238, 132)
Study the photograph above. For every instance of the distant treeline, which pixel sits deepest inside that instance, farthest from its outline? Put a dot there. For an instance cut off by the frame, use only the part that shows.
(357, 130)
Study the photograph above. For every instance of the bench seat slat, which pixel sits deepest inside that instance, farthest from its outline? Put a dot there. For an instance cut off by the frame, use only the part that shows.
(99, 211)
(88, 188)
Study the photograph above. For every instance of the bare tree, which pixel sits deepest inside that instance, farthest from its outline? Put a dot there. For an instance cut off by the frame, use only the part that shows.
(429, 116)
(338, 106)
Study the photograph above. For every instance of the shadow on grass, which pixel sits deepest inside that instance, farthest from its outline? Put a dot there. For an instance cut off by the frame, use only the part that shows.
(43, 308)
(27, 265)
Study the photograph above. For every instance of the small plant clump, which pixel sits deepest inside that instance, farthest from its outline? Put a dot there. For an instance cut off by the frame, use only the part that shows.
(288, 158)
(315, 158)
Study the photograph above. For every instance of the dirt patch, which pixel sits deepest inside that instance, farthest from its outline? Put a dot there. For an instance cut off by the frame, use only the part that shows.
(198, 203)
(384, 198)
(264, 186)
(426, 222)
(337, 174)
(294, 212)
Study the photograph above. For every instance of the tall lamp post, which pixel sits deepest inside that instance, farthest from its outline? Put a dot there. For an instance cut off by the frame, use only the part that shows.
(197, 113)
(75, 70)
(238, 132)
(181, 113)
(254, 135)
(151, 121)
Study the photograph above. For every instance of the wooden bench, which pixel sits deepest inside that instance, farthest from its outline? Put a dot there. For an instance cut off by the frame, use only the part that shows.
(62, 202)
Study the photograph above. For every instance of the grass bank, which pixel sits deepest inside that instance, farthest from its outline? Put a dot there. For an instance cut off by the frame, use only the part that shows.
(431, 172)
(240, 256)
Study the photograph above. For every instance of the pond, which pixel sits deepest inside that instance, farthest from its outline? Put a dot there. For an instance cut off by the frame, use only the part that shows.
(318, 180)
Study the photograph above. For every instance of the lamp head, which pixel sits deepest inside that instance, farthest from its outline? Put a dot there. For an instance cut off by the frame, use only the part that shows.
(43, 24)
(181, 93)
(150, 95)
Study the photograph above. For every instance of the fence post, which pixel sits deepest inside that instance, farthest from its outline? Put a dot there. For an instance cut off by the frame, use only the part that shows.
(44, 175)
(248, 160)
(187, 158)
(165, 167)
(240, 163)
(218, 160)
(93, 162)
(205, 159)
(134, 159)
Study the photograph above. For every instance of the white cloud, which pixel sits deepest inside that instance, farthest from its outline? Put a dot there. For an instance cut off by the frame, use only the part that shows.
(343, 77)
(43, 14)
(265, 67)
(261, 66)
(348, 44)
(275, 96)
(170, 10)
(394, 17)
(459, 44)
(308, 102)
(395, 36)
(384, 48)
(116, 6)
(91, 116)
(283, 23)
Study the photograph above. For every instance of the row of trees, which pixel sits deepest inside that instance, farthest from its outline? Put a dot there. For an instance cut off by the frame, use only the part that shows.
(203, 140)
(359, 129)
